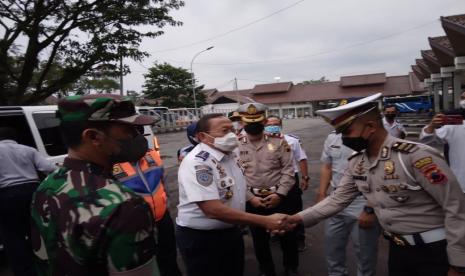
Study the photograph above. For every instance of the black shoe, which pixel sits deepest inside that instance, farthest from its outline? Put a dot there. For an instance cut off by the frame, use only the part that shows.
(301, 246)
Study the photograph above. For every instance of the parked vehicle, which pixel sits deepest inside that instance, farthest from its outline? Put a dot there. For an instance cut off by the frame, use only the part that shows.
(411, 104)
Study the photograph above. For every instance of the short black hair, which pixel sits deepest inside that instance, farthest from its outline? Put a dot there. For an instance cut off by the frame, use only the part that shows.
(72, 131)
(276, 117)
(203, 125)
(390, 106)
(8, 133)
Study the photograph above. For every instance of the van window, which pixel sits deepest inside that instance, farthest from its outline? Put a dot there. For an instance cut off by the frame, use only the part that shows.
(48, 126)
(19, 123)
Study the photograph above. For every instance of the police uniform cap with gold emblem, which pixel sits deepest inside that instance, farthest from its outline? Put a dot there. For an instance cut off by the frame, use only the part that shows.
(252, 112)
(342, 116)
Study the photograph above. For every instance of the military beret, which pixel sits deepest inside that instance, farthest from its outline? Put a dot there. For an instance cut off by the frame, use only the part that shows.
(102, 108)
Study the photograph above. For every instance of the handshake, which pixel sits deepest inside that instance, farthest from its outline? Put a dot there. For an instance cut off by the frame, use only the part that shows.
(281, 223)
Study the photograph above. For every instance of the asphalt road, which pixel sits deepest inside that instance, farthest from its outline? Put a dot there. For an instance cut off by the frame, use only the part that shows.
(312, 133)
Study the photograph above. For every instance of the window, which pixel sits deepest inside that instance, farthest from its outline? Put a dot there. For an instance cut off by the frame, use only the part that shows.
(19, 123)
(49, 131)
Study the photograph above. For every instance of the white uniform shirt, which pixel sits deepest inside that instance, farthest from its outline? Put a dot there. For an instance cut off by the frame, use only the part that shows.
(297, 151)
(20, 163)
(395, 129)
(208, 174)
(454, 135)
(336, 154)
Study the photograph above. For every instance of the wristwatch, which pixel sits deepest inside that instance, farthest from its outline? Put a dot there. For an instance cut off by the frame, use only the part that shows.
(368, 210)
(305, 177)
(459, 269)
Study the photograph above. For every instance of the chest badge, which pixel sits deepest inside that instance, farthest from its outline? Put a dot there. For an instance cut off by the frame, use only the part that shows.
(389, 167)
(271, 147)
(359, 168)
(229, 194)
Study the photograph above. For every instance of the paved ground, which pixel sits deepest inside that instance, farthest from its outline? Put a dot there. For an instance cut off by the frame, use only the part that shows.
(312, 133)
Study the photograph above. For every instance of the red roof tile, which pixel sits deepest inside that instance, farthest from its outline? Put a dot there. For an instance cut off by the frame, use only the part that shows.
(272, 88)
(363, 80)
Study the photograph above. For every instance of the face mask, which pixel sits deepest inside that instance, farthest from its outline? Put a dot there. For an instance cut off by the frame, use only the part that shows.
(390, 116)
(462, 104)
(356, 143)
(254, 128)
(273, 129)
(131, 150)
(226, 143)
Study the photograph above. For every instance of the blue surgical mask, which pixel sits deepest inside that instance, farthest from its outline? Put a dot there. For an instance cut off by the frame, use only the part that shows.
(273, 129)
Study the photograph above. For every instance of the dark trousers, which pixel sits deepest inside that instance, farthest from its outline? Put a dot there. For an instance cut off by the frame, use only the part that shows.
(288, 241)
(211, 252)
(420, 260)
(15, 224)
(166, 250)
(297, 206)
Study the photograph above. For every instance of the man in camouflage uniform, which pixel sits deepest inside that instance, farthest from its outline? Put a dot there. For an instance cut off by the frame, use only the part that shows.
(85, 222)
(267, 163)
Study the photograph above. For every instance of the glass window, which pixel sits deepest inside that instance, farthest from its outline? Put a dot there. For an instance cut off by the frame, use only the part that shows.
(19, 123)
(50, 133)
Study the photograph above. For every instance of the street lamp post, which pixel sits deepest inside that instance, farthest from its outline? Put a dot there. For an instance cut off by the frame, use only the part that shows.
(192, 74)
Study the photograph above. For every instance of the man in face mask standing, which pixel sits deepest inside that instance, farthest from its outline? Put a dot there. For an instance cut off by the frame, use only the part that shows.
(414, 194)
(267, 161)
(212, 202)
(85, 222)
(393, 126)
(453, 135)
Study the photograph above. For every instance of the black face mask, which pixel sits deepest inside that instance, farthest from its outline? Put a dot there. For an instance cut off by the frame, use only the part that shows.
(355, 143)
(390, 117)
(131, 149)
(254, 128)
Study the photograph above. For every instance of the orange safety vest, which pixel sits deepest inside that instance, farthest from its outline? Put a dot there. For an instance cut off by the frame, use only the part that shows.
(146, 179)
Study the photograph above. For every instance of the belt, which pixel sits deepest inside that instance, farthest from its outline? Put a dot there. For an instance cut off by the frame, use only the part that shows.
(263, 192)
(417, 238)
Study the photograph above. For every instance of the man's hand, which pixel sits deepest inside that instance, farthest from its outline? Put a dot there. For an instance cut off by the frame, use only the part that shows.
(303, 184)
(257, 202)
(276, 223)
(272, 201)
(366, 220)
(320, 197)
(436, 122)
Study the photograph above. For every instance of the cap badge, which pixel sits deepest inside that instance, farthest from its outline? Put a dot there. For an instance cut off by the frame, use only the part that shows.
(251, 109)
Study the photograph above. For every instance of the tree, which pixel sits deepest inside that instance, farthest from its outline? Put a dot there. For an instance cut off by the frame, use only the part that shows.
(320, 80)
(79, 35)
(171, 85)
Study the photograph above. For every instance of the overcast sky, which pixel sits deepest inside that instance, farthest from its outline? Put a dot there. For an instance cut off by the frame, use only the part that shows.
(308, 40)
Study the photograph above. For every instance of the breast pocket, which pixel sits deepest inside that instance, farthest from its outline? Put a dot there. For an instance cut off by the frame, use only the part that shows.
(335, 152)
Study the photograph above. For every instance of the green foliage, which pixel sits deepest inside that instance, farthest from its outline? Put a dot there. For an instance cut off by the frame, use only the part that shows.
(67, 39)
(320, 80)
(171, 85)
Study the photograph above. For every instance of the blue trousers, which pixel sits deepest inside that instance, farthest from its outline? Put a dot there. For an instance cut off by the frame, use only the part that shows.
(365, 241)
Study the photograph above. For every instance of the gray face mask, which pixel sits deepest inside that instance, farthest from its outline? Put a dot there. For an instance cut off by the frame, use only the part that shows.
(131, 150)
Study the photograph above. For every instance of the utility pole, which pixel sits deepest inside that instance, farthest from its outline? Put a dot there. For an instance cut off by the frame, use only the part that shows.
(121, 75)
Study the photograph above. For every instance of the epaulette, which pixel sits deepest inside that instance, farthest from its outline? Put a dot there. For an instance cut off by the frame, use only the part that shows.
(203, 155)
(404, 147)
(294, 136)
(355, 153)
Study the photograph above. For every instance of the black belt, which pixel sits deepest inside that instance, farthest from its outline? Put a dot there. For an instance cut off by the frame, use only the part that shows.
(218, 231)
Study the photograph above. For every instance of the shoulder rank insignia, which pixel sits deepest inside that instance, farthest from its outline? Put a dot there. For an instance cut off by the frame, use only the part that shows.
(118, 172)
(203, 155)
(404, 147)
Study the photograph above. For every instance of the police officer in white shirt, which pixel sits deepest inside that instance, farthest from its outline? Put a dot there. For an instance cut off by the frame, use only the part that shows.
(18, 181)
(212, 197)
(391, 124)
(274, 126)
(454, 136)
(357, 220)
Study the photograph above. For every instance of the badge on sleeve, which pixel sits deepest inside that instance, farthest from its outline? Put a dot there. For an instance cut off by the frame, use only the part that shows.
(420, 163)
(204, 177)
(434, 174)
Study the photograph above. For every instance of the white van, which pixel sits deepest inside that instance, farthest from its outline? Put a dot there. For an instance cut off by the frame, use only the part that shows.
(37, 127)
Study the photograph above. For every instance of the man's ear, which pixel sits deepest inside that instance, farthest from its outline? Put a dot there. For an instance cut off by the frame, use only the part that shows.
(92, 136)
(201, 136)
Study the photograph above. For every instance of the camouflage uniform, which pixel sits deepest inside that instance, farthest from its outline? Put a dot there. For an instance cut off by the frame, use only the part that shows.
(84, 221)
